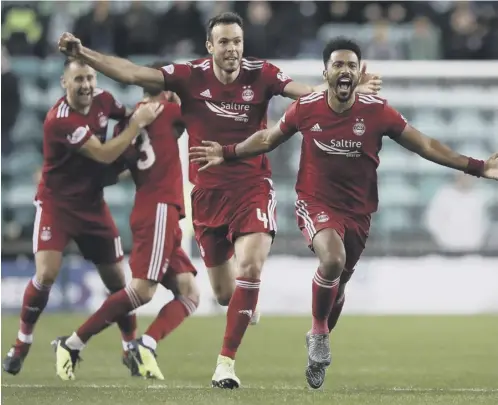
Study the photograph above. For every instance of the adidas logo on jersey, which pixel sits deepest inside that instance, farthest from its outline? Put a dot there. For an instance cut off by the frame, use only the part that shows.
(206, 93)
(316, 128)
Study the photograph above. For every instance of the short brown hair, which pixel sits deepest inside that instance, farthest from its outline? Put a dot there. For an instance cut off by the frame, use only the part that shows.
(226, 18)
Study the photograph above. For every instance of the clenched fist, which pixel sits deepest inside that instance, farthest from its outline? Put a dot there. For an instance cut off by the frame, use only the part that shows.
(69, 45)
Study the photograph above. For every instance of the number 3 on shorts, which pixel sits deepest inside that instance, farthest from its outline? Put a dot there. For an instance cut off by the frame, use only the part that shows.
(262, 217)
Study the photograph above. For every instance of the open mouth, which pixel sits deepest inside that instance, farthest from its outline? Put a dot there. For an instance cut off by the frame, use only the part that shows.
(85, 93)
(344, 83)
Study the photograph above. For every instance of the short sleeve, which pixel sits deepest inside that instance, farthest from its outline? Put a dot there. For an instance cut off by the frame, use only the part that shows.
(71, 135)
(176, 76)
(117, 109)
(394, 121)
(289, 121)
(275, 78)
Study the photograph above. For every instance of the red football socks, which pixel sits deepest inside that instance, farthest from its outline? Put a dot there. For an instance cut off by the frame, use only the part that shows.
(170, 317)
(240, 310)
(324, 293)
(115, 306)
(34, 302)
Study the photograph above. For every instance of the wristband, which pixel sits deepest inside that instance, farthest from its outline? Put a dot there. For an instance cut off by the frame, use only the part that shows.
(229, 152)
(475, 167)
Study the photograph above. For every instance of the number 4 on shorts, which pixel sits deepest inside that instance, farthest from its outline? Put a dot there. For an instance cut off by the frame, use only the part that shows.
(262, 217)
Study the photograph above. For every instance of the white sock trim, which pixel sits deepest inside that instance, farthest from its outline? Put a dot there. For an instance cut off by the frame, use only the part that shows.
(74, 342)
(25, 338)
(189, 304)
(149, 342)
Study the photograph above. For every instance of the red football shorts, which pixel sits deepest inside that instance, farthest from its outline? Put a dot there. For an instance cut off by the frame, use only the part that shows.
(92, 229)
(313, 216)
(157, 252)
(220, 216)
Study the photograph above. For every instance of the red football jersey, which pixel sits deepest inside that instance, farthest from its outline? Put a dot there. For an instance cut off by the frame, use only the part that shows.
(68, 176)
(225, 113)
(340, 152)
(158, 171)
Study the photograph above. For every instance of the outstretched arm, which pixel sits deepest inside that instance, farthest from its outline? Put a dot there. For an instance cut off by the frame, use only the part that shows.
(260, 142)
(213, 154)
(436, 152)
(121, 70)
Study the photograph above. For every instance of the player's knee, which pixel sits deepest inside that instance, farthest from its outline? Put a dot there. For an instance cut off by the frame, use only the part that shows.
(250, 268)
(47, 267)
(145, 289)
(223, 298)
(112, 276)
(223, 293)
(47, 277)
(187, 287)
(332, 265)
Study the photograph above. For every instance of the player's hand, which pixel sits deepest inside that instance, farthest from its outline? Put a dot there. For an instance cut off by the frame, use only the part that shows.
(370, 83)
(211, 155)
(491, 168)
(70, 45)
(146, 113)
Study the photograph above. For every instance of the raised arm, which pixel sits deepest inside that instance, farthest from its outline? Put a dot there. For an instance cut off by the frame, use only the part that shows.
(436, 152)
(121, 70)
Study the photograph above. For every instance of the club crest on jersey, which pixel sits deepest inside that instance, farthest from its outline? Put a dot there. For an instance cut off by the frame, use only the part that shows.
(247, 93)
(322, 217)
(45, 234)
(359, 127)
(102, 120)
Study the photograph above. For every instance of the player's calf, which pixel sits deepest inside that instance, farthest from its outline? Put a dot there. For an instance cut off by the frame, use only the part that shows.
(329, 248)
(112, 276)
(171, 315)
(35, 299)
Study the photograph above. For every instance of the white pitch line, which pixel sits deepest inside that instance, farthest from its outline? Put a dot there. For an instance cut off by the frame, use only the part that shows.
(201, 387)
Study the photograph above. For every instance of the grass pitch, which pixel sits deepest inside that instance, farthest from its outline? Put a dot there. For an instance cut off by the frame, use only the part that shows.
(376, 360)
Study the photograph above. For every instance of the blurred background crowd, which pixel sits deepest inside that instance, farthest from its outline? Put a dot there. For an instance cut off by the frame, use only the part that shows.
(288, 29)
(423, 209)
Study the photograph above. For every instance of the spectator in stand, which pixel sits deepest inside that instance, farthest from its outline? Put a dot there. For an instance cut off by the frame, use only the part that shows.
(257, 39)
(425, 43)
(137, 31)
(24, 29)
(458, 206)
(380, 47)
(11, 102)
(181, 30)
(97, 29)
